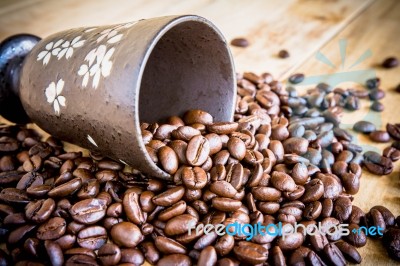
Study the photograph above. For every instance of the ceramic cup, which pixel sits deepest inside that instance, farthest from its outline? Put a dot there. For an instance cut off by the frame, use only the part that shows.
(93, 86)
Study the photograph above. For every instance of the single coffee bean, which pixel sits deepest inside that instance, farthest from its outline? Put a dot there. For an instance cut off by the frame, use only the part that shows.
(224, 245)
(8, 144)
(334, 255)
(132, 208)
(54, 252)
(377, 164)
(283, 54)
(283, 182)
(386, 214)
(185, 133)
(357, 237)
(194, 178)
(379, 136)
(88, 211)
(376, 219)
(313, 210)
(132, 255)
(109, 254)
(14, 195)
(373, 83)
(236, 148)
(175, 259)
(168, 159)
(296, 78)
(81, 260)
(126, 234)
(223, 189)
(179, 224)
(393, 130)
(377, 106)
(349, 252)
(251, 253)
(39, 211)
(52, 229)
(226, 204)
(223, 127)
(351, 183)
(169, 197)
(364, 127)
(240, 42)
(197, 116)
(208, 257)
(391, 242)
(390, 62)
(169, 246)
(314, 190)
(342, 208)
(66, 189)
(197, 151)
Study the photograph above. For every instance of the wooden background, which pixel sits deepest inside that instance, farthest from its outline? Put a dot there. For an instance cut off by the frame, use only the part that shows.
(303, 27)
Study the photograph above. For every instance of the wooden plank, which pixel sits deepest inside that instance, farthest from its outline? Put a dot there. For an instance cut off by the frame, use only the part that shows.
(376, 30)
(301, 27)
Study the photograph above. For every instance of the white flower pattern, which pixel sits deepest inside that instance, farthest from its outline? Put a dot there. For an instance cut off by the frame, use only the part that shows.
(98, 64)
(112, 34)
(67, 48)
(91, 140)
(54, 97)
(46, 54)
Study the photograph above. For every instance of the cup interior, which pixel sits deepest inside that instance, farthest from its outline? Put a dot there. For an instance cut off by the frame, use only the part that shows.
(190, 67)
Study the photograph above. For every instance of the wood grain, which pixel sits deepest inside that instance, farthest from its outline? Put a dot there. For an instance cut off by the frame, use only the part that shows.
(376, 30)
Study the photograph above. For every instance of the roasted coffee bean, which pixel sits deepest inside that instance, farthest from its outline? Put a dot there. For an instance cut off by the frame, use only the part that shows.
(283, 54)
(377, 220)
(20, 233)
(391, 242)
(197, 116)
(390, 62)
(312, 210)
(351, 183)
(169, 197)
(386, 214)
(251, 253)
(357, 216)
(109, 254)
(332, 186)
(377, 106)
(226, 204)
(223, 189)
(81, 260)
(391, 153)
(236, 148)
(349, 252)
(334, 255)
(132, 255)
(39, 211)
(266, 193)
(342, 209)
(283, 182)
(194, 178)
(54, 252)
(393, 130)
(14, 195)
(379, 136)
(240, 42)
(52, 229)
(357, 237)
(364, 127)
(377, 164)
(168, 159)
(314, 190)
(66, 189)
(179, 224)
(132, 208)
(197, 151)
(208, 256)
(8, 144)
(169, 246)
(296, 78)
(295, 145)
(88, 211)
(126, 234)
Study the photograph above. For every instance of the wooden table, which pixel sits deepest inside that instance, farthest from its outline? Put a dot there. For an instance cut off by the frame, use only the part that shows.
(306, 28)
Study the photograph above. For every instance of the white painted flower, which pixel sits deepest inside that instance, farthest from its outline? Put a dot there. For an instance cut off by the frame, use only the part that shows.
(98, 65)
(46, 54)
(113, 35)
(91, 140)
(54, 97)
(67, 48)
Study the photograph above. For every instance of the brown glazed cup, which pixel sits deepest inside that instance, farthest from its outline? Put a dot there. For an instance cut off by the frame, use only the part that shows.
(93, 86)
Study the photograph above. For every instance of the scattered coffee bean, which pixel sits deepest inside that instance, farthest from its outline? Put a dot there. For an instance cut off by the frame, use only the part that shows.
(377, 106)
(296, 78)
(379, 136)
(283, 54)
(364, 127)
(390, 62)
(240, 42)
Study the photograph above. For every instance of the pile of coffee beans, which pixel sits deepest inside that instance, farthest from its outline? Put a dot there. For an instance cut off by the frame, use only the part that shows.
(284, 160)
